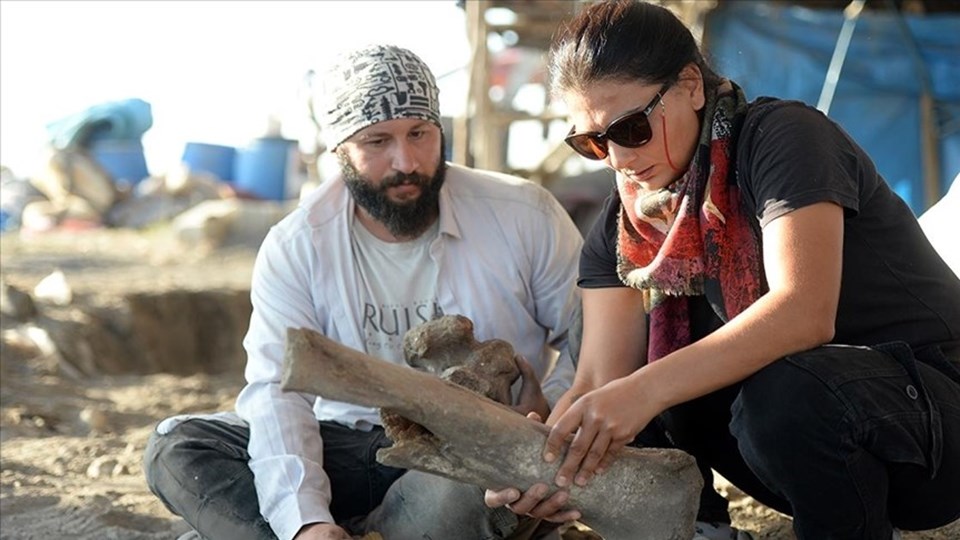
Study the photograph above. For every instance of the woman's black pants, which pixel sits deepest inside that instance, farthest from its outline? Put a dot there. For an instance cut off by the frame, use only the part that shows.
(850, 441)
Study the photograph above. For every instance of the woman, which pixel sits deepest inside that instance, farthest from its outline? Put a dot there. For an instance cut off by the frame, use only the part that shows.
(753, 289)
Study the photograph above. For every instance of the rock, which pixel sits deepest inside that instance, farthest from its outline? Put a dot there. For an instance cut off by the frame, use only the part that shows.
(71, 173)
(101, 467)
(96, 420)
(217, 223)
(15, 303)
(54, 289)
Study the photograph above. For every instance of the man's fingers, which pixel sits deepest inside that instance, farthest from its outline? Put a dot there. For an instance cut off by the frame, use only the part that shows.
(496, 499)
(552, 508)
(531, 396)
(526, 370)
(529, 499)
(532, 502)
(563, 517)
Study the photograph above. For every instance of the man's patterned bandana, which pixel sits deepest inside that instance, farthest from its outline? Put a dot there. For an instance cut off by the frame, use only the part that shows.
(692, 237)
(374, 84)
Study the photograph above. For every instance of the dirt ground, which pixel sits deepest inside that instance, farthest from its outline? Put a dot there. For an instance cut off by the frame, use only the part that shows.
(152, 330)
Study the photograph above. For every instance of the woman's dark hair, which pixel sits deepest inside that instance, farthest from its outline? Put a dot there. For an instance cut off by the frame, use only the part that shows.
(624, 40)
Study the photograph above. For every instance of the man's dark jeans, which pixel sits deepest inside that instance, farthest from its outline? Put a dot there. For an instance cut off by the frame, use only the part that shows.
(199, 471)
(203, 475)
(850, 441)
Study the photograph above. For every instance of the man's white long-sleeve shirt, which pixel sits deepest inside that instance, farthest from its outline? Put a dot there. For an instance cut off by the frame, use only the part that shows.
(507, 257)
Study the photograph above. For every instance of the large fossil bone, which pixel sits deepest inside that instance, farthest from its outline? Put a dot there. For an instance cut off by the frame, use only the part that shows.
(443, 428)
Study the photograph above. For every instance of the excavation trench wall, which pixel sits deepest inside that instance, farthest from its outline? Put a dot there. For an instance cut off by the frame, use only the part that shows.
(177, 331)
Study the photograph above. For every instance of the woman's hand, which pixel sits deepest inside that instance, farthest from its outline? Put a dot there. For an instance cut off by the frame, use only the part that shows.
(614, 348)
(598, 425)
(564, 403)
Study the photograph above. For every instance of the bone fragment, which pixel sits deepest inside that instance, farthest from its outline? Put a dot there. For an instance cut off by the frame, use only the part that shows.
(453, 432)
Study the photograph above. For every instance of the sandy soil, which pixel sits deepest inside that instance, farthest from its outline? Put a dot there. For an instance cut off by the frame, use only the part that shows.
(73, 425)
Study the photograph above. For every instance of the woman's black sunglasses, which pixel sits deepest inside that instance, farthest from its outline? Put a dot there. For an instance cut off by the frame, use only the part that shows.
(631, 130)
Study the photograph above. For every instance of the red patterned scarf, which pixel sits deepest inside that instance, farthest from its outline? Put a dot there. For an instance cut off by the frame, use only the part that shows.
(692, 237)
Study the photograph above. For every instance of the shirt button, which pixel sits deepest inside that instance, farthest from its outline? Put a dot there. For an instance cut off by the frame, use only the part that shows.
(912, 392)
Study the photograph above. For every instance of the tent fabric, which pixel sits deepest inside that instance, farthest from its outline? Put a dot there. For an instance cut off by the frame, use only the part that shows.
(941, 222)
(125, 120)
(784, 51)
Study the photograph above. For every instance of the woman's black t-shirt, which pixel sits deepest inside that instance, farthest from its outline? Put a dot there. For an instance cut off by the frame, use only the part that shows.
(894, 286)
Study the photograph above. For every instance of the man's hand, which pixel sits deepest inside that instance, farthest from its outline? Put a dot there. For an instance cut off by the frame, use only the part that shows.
(322, 531)
(532, 503)
(530, 399)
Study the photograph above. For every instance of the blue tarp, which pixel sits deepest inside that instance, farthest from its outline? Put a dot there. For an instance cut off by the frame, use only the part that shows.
(784, 51)
(124, 120)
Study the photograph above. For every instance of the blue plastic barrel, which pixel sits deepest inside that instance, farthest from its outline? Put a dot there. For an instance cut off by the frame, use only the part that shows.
(122, 159)
(261, 168)
(212, 159)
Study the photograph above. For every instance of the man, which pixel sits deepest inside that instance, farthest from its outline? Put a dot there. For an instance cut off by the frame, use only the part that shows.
(400, 238)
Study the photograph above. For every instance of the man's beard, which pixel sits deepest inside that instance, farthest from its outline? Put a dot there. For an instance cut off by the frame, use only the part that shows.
(403, 219)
